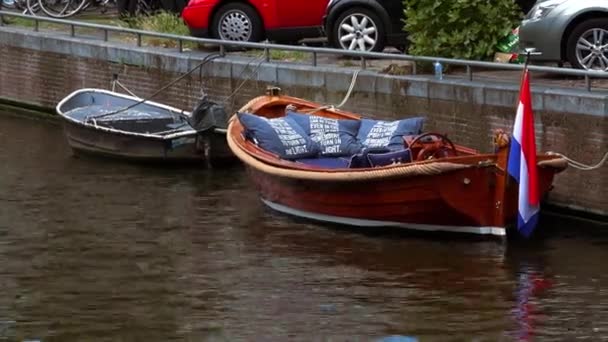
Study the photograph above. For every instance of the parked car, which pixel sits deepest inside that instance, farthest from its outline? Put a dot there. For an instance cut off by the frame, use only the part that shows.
(526, 5)
(370, 25)
(255, 20)
(365, 25)
(568, 30)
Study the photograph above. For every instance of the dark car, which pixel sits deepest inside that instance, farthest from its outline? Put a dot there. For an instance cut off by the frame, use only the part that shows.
(365, 25)
(370, 25)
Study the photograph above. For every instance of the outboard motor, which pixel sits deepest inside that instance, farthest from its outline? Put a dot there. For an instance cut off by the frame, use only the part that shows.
(208, 115)
(208, 119)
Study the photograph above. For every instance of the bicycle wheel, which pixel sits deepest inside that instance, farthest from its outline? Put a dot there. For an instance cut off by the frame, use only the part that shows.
(31, 7)
(61, 8)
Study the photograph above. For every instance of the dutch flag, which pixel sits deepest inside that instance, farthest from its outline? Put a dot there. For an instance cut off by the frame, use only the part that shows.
(522, 161)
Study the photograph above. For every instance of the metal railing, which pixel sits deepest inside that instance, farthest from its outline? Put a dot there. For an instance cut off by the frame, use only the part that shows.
(314, 51)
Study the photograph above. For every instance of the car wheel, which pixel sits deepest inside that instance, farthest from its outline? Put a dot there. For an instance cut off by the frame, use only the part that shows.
(587, 46)
(358, 29)
(237, 22)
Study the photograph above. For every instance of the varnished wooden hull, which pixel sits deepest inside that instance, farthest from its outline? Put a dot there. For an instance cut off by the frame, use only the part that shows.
(461, 201)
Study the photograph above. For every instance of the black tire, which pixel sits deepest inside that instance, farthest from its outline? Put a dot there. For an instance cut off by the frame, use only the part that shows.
(582, 30)
(336, 32)
(247, 14)
(126, 8)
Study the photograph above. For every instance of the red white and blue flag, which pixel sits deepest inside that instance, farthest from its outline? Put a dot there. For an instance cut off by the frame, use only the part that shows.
(522, 161)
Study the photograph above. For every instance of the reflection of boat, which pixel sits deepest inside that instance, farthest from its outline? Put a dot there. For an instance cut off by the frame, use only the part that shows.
(431, 184)
(112, 124)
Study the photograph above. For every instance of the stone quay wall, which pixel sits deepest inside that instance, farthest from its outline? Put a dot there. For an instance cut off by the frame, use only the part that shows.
(41, 68)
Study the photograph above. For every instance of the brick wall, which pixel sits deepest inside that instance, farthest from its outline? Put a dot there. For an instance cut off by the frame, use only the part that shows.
(31, 73)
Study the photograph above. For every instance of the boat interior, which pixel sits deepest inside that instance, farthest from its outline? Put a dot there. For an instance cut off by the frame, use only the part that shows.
(282, 132)
(123, 114)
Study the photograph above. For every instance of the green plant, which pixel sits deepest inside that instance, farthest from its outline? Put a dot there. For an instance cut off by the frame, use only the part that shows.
(280, 55)
(163, 22)
(467, 29)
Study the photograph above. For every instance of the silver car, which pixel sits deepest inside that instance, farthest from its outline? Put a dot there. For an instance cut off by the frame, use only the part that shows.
(575, 31)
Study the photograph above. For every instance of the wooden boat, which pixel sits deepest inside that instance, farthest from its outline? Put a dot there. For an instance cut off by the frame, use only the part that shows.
(107, 123)
(457, 190)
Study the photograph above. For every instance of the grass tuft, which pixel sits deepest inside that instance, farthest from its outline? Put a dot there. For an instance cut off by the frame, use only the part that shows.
(163, 22)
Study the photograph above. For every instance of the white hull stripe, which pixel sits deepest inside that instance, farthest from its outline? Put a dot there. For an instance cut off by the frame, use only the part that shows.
(498, 231)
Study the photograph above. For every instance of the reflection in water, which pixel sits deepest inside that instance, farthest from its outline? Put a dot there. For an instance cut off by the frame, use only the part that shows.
(99, 250)
(530, 284)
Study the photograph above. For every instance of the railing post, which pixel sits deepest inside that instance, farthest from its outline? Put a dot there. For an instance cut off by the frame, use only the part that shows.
(414, 68)
(36, 25)
(469, 73)
(363, 63)
(1, 20)
(267, 54)
(181, 45)
(587, 83)
(72, 30)
(314, 58)
(139, 39)
(222, 50)
(105, 35)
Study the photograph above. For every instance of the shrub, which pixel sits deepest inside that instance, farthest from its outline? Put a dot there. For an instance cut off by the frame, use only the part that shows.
(164, 22)
(467, 29)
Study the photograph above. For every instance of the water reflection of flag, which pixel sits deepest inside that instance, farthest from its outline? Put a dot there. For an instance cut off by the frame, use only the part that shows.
(522, 160)
(529, 284)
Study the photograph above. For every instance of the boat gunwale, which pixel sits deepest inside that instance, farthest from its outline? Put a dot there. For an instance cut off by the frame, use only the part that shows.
(172, 136)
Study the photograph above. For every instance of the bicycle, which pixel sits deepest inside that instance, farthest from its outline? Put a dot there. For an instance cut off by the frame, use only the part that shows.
(64, 8)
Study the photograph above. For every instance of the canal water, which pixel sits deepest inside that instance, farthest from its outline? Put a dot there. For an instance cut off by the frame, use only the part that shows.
(95, 250)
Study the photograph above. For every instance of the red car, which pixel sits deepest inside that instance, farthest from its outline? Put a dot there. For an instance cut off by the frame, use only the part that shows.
(255, 20)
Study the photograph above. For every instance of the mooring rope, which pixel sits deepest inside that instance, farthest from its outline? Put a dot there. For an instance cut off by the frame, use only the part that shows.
(353, 81)
(261, 59)
(206, 60)
(580, 166)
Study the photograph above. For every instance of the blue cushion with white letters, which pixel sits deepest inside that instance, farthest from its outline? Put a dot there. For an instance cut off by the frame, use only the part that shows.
(336, 137)
(378, 133)
(281, 136)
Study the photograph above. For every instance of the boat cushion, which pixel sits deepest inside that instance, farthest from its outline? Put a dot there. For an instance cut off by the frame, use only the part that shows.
(389, 158)
(336, 137)
(327, 162)
(378, 133)
(281, 136)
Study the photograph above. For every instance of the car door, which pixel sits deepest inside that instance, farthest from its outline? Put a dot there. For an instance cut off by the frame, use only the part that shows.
(300, 13)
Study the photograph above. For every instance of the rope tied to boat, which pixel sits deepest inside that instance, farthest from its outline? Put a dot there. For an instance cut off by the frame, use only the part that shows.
(580, 166)
(206, 60)
(260, 60)
(353, 81)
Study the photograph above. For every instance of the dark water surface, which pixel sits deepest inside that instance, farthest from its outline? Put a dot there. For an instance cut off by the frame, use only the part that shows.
(93, 250)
